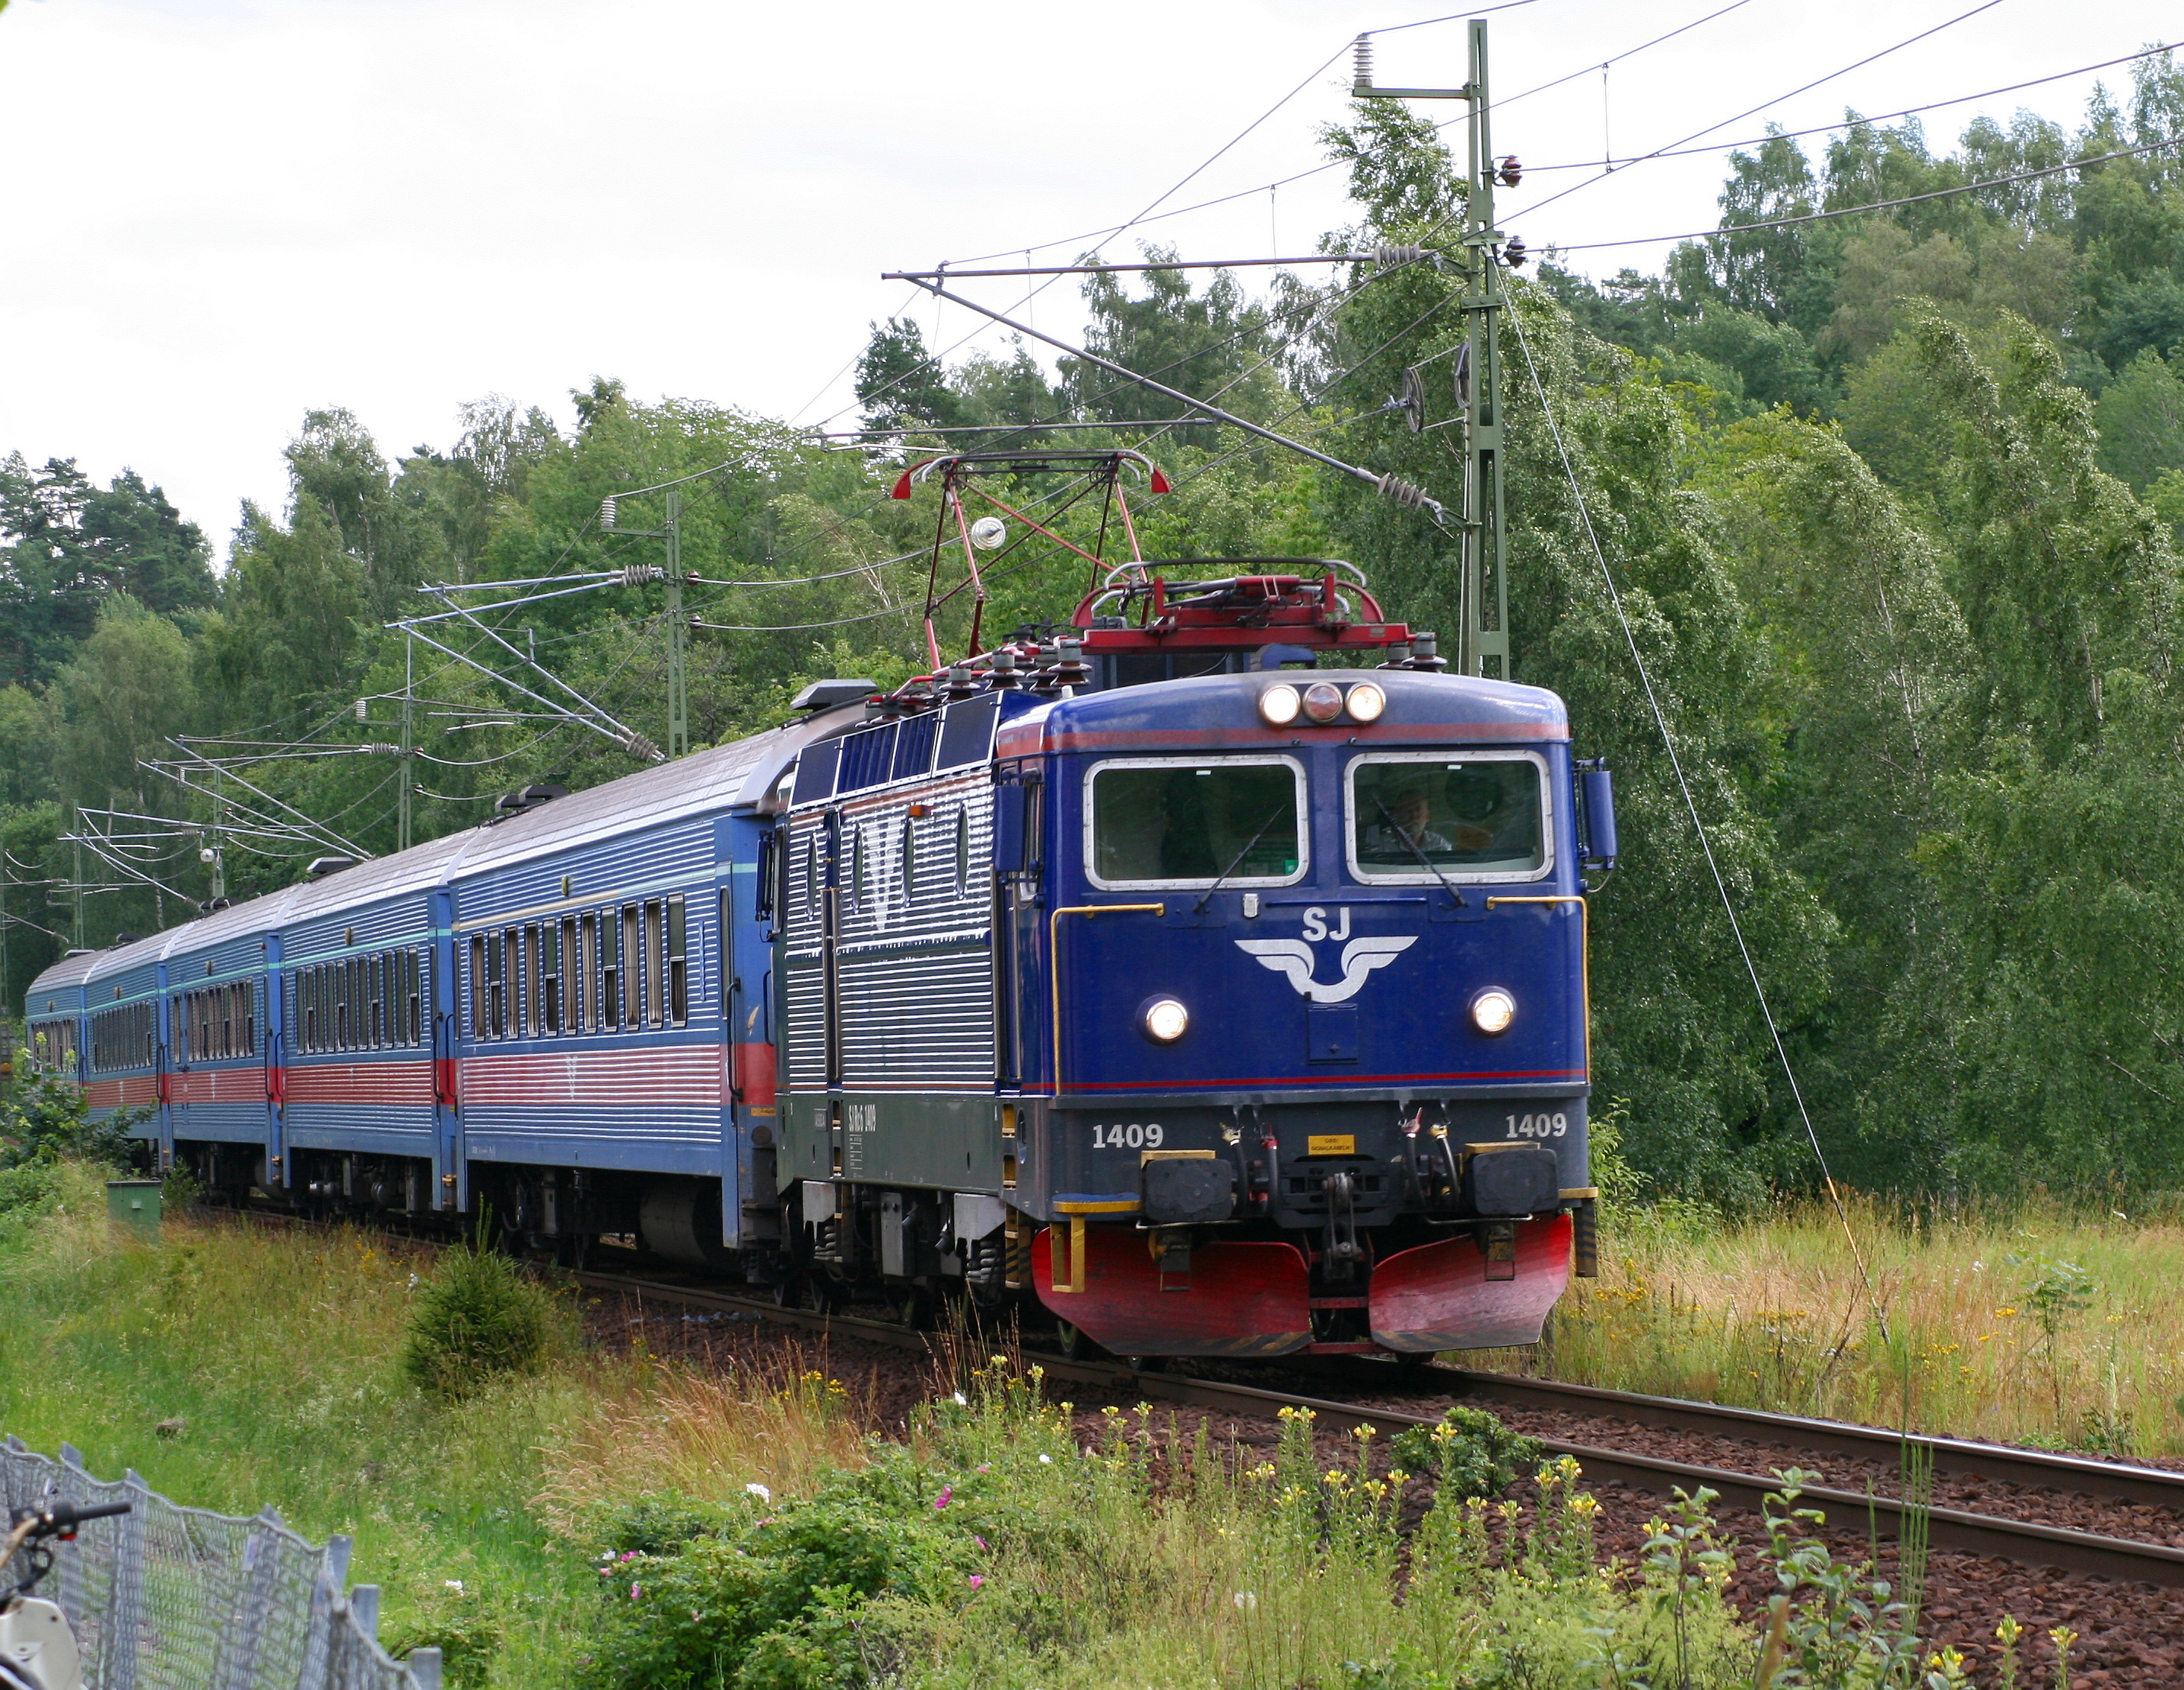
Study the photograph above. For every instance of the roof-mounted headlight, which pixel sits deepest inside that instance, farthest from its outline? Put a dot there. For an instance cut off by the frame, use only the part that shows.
(1278, 705)
(1323, 702)
(1365, 702)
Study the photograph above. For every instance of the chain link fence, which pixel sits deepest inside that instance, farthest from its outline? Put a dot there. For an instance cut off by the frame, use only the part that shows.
(167, 1598)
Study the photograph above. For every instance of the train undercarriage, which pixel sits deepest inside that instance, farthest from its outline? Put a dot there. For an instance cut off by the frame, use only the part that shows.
(1336, 1268)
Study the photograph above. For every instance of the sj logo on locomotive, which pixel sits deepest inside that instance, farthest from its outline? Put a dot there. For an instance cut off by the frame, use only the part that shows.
(1295, 960)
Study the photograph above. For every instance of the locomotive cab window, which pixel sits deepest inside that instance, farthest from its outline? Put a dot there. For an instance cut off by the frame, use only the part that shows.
(1416, 816)
(1168, 822)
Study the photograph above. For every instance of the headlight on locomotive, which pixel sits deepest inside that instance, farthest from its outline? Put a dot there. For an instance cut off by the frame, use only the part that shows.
(1165, 1020)
(1365, 702)
(1492, 1011)
(1279, 706)
(1323, 702)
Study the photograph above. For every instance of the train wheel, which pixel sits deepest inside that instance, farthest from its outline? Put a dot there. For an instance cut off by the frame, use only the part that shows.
(913, 1307)
(1073, 1343)
(813, 1293)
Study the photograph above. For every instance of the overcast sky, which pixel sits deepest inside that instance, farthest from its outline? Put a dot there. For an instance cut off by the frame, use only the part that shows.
(229, 211)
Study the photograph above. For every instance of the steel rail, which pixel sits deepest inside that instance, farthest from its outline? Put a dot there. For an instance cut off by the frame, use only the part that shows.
(2025, 1542)
(2033, 1468)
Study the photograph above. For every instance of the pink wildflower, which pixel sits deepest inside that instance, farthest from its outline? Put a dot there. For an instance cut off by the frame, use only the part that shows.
(947, 1495)
(977, 1580)
(979, 1540)
(634, 1591)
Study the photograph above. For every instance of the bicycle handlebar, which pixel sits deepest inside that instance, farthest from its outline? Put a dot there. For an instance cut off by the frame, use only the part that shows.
(60, 1519)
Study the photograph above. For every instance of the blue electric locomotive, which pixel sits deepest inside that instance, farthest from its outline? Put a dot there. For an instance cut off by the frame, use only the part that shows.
(1214, 973)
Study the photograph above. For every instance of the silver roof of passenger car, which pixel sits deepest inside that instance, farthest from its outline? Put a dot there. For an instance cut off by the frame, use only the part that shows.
(723, 778)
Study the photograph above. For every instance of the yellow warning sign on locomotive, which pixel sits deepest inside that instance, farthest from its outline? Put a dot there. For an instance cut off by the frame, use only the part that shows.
(1331, 1145)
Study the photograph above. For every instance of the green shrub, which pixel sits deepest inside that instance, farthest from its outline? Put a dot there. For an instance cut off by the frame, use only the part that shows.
(459, 1624)
(478, 1316)
(1470, 1454)
(765, 1598)
(44, 1120)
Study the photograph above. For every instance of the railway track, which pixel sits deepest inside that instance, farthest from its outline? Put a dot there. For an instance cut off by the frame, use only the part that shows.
(2027, 1543)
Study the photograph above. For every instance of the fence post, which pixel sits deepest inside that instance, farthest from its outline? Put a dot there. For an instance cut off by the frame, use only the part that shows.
(261, 1560)
(326, 1613)
(125, 1597)
(424, 1666)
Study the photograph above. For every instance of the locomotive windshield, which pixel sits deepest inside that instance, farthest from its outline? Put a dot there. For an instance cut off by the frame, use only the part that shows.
(1167, 822)
(1480, 816)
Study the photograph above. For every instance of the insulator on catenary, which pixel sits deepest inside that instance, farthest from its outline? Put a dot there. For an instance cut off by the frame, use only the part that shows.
(1513, 255)
(1362, 72)
(1395, 258)
(1397, 491)
(606, 512)
(636, 574)
(1511, 172)
(643, 749)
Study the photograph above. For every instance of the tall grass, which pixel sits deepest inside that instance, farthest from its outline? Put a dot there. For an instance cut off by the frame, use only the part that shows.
(1003, 1549)
(1984, 1338)
(779, 1423)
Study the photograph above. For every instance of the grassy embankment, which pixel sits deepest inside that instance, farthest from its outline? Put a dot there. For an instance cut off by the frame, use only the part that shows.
(616, 1524)
(768, 1540)
(2035, 1323)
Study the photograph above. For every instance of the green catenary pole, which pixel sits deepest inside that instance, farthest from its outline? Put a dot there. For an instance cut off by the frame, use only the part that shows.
(678, 695)
(403, 781)
(1482, 630)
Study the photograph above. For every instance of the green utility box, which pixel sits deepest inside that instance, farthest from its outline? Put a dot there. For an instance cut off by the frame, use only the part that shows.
(135, 1203)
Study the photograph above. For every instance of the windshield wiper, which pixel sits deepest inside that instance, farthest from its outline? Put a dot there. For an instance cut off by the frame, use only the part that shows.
(1199, 907)
(1432, 867)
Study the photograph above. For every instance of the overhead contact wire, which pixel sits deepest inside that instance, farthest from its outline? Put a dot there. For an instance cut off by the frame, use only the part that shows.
(1698, 826)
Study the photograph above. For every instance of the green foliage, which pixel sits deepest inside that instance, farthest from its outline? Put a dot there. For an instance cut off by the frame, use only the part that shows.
(44, 1121)
(65, 545)
(478, 1316)
(2142, 418)
(1469, 1452)
(765, 1598)
(469, 1632)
